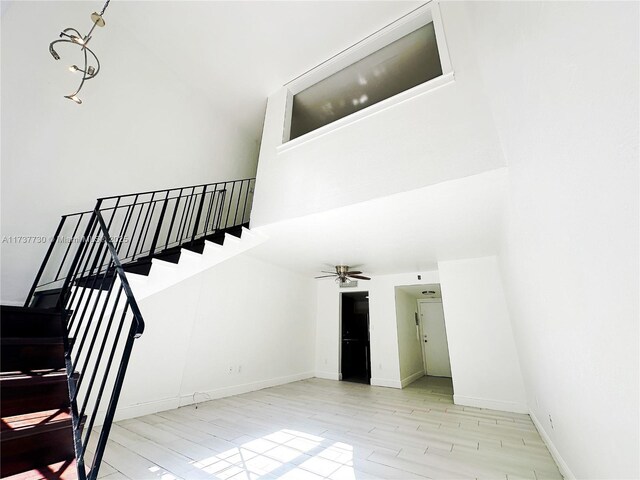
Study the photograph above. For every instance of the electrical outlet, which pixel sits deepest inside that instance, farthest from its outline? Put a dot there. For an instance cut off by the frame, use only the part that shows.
(230, 369)
(380, 366)
(551, 422)
(239, 368)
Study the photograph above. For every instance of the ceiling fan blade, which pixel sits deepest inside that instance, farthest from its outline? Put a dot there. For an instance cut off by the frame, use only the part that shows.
(324, 271)
(355, 272)
(360, 277)
(326, 276)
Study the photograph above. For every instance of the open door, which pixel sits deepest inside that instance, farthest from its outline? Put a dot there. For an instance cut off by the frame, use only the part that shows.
(356, 359)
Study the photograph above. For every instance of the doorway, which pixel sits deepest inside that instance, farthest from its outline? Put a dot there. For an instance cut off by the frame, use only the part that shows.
(355, 360)
(435, 349)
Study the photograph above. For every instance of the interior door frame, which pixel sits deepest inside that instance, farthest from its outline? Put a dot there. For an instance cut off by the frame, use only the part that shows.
(421, 330)
(340, 294)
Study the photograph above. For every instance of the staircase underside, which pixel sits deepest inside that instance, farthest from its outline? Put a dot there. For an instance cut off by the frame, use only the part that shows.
(186, 260)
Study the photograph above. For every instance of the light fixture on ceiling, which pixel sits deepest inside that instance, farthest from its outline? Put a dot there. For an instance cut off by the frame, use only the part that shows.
(74, 37)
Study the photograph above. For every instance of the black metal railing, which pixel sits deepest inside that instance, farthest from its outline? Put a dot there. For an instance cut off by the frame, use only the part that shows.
(83, 270)
(145, 224)
(103, 320)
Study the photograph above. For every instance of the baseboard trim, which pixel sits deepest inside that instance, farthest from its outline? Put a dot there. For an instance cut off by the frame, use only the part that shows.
(565, 471)
(242, 388)
(411, 378)
(140, 409)
(125, 412)
(383, 382)
(505, 406)
(328, 375)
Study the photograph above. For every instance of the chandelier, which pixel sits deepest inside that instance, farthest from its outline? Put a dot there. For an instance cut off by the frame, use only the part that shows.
(72, 36)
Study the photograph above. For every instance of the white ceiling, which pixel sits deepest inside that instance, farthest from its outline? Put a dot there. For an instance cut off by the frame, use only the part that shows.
(406, 232)
(237, 53)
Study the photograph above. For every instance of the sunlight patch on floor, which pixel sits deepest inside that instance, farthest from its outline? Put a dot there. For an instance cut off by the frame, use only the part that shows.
(287, 454)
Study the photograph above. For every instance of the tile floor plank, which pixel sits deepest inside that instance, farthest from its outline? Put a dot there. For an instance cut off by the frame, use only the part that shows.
(323, 429)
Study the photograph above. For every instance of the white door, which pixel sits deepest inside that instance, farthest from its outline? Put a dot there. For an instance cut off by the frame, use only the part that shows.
(434, 339)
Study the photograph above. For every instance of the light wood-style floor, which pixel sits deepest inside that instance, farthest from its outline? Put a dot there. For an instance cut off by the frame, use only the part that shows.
(316, 429)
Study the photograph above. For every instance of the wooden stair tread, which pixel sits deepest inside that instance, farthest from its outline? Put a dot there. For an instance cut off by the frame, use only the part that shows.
(32, 341)
(43, 376)
(66, 470)
(45, 420)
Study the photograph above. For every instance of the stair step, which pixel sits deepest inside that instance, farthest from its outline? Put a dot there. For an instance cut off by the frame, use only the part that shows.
(171, 255)
(99, 281)
(197, 246)
(21, 393)
(46, 298)
(216, 238)
(235, 231)
(35, 439)
(66, 470)
(30, 322)
(27, 354)
(139, 267)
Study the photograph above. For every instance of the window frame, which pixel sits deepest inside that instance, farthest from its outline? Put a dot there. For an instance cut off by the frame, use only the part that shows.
(430, 12)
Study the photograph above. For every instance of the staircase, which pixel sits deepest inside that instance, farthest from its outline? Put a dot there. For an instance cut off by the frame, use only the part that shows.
(36, 430)
(65, 353)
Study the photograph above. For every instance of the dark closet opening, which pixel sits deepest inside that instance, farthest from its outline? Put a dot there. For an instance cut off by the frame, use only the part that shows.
(356, 359)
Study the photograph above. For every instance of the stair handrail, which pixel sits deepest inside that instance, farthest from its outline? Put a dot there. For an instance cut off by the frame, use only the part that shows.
(135, 331)
(146, 223)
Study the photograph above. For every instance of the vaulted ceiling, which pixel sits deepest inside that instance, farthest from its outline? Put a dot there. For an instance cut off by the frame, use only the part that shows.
(239, 52)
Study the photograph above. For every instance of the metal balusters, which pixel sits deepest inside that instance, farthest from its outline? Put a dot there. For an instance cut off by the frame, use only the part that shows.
(149, 222)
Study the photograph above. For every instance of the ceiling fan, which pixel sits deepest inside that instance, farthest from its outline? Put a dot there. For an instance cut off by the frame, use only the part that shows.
(343, 274)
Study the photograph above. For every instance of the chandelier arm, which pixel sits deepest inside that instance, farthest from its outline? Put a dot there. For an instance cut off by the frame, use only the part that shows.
(84, 76)
(64, 32)
(89, 77)
(53, 52)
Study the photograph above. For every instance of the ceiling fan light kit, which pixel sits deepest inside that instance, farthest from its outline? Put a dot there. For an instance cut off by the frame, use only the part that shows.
(344, 275)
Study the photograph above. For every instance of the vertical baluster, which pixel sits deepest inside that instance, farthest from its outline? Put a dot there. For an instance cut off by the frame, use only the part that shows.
(154, 242)
(235, 216)
(226, 222)
(211, 200)
(64, 258)
(133, 234)
(94, 272)
(44, 262)
(83, 249)
(125, 224)
(184, 219)
(246, 197)
(223, 197)
(173, 218)
(198, 215)
(98, 400)
(153, 210)
(146, 223)
(96, 331)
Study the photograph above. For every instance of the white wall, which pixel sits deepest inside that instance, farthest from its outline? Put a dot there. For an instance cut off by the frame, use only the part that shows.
(409, 342)
(441, 135)
(243, 315)
(484, 362)
(570, 261)
(140, 128)
(385, 364)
